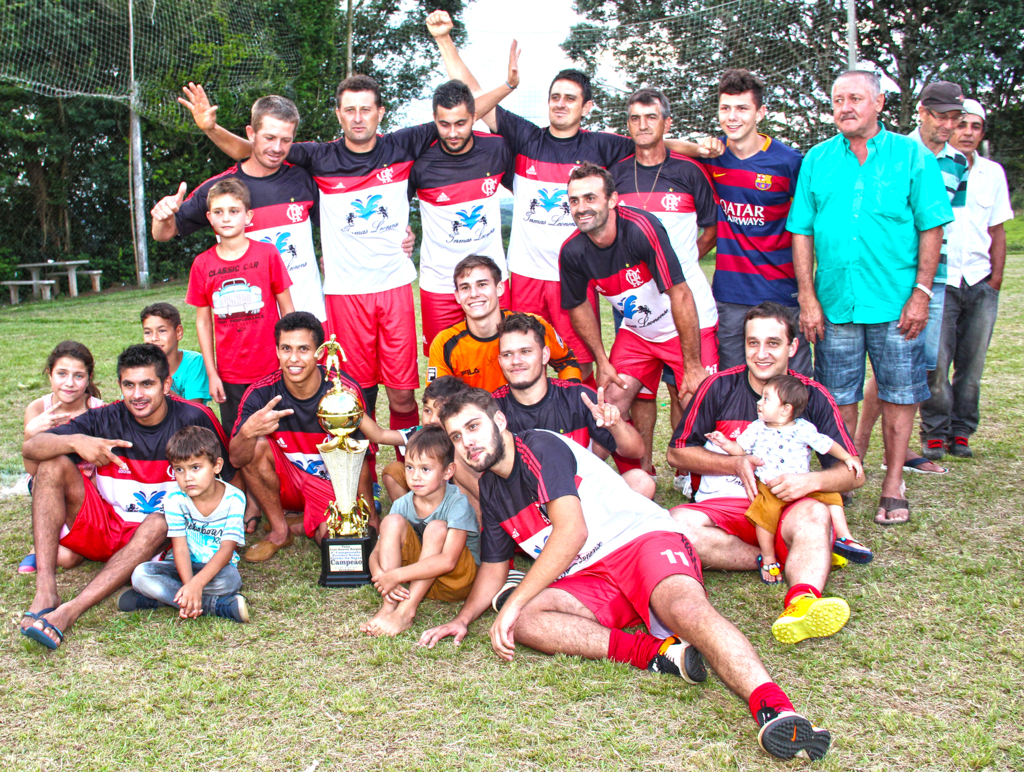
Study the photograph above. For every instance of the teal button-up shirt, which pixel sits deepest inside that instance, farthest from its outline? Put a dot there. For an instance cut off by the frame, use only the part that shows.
(865, 220)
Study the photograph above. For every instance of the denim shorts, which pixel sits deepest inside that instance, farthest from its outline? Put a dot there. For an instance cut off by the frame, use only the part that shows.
(898, 363)
(932, 333)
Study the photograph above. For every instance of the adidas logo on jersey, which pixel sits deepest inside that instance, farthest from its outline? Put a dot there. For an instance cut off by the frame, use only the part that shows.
(532, 170)
(282, 443)
(339, 186)
(443, 197)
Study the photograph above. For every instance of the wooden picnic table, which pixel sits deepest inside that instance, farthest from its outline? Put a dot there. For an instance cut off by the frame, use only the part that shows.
(72, 267)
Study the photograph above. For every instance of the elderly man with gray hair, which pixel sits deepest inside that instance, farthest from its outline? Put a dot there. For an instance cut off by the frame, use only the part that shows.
(870, 206)
(977, 254)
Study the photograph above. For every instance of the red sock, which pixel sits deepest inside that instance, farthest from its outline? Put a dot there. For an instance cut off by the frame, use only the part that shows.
(637, 649)
(590, 381)
(404, 421)
(768, 695)
(801, 589)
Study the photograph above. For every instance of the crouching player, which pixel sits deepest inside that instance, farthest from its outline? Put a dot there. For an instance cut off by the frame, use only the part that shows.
(606, 559)
(430, 541)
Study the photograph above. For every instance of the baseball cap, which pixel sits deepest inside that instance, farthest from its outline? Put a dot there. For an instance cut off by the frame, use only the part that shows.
(941, 95)
(973, 107)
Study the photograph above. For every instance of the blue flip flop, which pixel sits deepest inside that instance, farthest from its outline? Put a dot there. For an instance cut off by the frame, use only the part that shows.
(853, 550)
(27, 564)
(38, 635)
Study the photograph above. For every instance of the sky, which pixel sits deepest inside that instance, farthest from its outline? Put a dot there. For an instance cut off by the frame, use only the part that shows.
(539, 25)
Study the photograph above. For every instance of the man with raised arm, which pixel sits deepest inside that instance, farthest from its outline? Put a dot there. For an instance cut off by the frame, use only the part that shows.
(717, 525)
(542, 159)
(626, 255)
(284, 201)
(531, 400)
(364, 205)
(606, 559)
(118, 521)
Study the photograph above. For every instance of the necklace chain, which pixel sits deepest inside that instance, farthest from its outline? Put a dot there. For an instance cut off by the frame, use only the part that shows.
(636, 182)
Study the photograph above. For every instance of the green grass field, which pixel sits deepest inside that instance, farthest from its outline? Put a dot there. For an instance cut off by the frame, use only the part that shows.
(927, 674)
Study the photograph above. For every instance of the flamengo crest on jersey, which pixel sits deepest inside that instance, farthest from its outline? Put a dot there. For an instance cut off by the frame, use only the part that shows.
(541, 219)
(364, 208)
(514, 510)
(142, 489)
(283, 205)
(680, 194)
(459, 207)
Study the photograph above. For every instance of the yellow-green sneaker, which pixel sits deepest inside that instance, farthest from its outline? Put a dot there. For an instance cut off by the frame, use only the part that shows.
(838, 561)
(811, 617)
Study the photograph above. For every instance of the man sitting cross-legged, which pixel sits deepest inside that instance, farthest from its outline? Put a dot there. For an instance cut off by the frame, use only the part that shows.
(532, 401)
(274, 440)
(613, 560)
(469, 350)
(717, 525)
(120, 520)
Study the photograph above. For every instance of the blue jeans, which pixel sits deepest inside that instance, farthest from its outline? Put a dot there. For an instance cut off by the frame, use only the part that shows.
(967, 323)
(898, 363)
(932, 332)
(159, 580)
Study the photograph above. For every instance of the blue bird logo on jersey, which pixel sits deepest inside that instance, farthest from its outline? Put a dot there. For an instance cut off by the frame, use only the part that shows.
(151, 504)
(367, 210)
(281, 244)
(550, 201)
(630, 310)
(469, 219)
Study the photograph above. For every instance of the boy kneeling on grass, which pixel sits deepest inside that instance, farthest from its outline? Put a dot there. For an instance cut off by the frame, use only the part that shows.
(430, 540)
(204, 524)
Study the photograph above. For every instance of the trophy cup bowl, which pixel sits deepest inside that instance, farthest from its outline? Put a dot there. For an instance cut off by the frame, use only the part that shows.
(345, 549)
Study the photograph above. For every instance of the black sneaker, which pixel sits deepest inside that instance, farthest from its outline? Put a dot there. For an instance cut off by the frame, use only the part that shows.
(232, 607)
(514, 578)
(933, 449)
(129, 600)
(788, 735)
(959, 447)
(679, 658)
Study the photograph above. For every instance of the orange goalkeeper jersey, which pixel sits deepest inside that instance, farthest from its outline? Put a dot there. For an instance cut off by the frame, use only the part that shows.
(456, 351)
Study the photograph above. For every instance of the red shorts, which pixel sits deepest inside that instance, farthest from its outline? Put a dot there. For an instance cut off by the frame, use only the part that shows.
(378, 333)
(302, 492)
(618, 587)
(729, 514)
(644, 360)
(544, 298)
(440, 310)
(98, 532)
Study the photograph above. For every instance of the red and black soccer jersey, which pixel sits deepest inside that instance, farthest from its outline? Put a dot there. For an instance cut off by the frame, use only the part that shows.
(142, 489)
(297, 434)
(754, 261)
(549, 466)
(562, 410)
(459, 204)
(679, 193)
(726, 402)
(541, 166)
(284, 209)
(633, 273)
(364, 208)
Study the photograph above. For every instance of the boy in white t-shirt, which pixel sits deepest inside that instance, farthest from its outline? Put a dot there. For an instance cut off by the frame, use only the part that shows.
(205, 526)
(783, 442)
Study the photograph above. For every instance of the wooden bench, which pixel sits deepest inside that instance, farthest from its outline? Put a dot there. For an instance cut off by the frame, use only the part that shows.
(94, 276)
(35, 284)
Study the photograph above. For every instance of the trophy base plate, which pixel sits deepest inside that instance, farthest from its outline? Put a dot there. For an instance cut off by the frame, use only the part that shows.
(345, 561)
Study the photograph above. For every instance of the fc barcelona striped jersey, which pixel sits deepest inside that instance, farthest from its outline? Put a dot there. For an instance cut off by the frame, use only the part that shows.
(298, 434)
(284, 206)
(364, 208)
(143, 489)
(755, 251)
(541, 163)
(460, 207)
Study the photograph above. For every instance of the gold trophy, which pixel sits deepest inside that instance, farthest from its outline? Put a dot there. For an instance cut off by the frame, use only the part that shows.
(345, 550)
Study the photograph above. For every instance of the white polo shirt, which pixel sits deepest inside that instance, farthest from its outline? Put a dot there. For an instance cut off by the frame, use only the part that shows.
(988, 205)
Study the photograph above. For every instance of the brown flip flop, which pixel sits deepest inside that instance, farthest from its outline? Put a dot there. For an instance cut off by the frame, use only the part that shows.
(889, 504)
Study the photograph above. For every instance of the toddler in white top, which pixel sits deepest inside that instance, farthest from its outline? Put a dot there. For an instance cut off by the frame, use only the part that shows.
(783, 442)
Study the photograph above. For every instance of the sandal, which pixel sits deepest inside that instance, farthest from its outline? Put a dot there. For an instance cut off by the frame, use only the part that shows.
(853, 550)
(774, 570)
(891, 504)
(27, 564)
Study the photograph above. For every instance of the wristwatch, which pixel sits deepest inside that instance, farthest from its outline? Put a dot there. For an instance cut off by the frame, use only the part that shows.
(925, 290)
